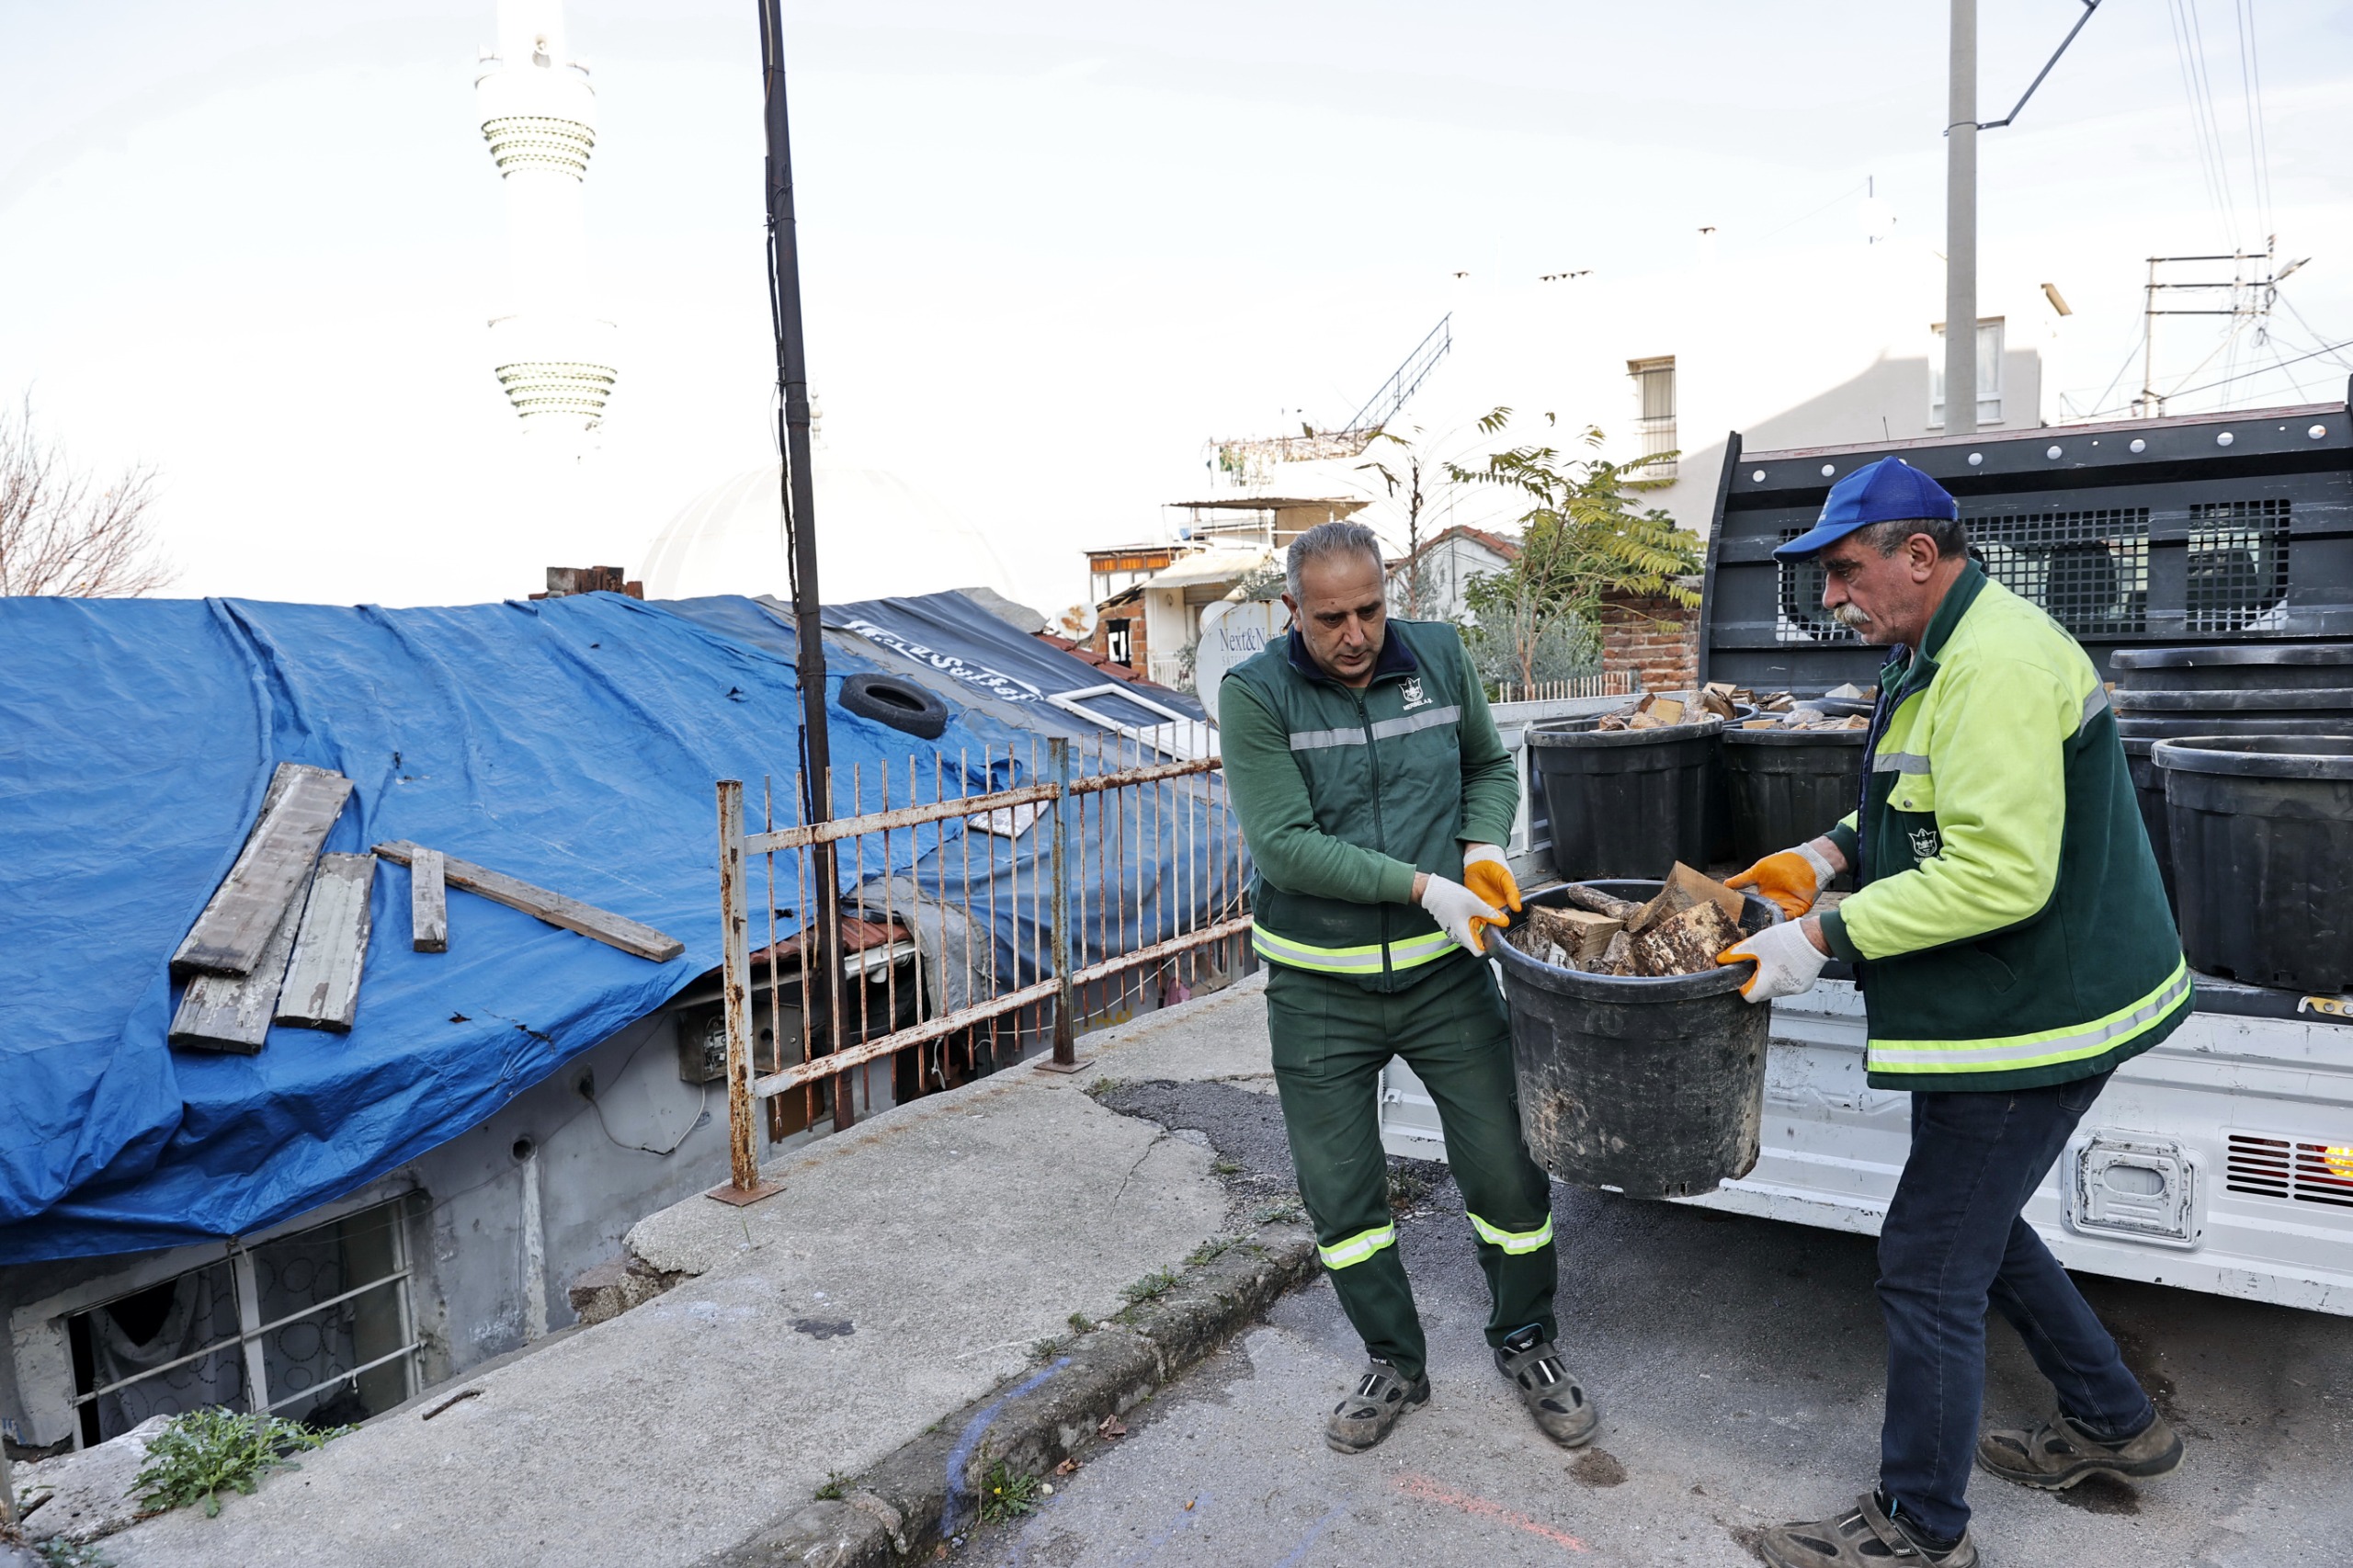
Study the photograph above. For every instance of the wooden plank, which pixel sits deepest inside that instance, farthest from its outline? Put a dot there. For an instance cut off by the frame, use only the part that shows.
(428, 903)
(614, 930)
(321, 989)
(271, 874)
(228, 1012)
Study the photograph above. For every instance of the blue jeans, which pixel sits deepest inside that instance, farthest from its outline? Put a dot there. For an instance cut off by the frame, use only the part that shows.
(1952, 1243)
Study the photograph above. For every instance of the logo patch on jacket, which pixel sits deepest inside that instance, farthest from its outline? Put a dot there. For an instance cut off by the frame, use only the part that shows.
(1413, 694)
(1926, 845)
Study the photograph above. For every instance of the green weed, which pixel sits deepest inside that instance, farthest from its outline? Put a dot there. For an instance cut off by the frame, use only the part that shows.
(1081, 1324)
(205, 1452)
(835, 1488)
(1006, 1496)
(1157, 1283)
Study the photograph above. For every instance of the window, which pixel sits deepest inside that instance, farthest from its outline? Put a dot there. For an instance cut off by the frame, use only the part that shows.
(1653, 414)
(1119, 642)
(316, 1327)
(1989, 374)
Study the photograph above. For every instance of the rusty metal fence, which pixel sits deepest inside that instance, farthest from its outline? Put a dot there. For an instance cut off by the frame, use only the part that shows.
(979, 907)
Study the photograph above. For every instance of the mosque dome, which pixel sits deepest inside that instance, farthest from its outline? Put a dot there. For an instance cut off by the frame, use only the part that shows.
(877, 537)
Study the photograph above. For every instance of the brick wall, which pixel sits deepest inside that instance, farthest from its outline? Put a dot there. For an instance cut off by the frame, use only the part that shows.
(1139, 653)
(1656, 639)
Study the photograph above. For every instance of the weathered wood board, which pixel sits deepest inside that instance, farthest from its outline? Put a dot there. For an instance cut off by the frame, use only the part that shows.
(556, 909)
(428, 901)
(322, 988)
(271, 872)
(232, 1012)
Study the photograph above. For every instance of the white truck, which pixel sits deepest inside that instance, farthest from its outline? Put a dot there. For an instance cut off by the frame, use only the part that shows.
(2220, 1160)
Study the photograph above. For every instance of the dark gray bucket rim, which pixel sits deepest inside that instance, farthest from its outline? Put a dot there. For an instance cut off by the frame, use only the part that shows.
(1625, 988)
(1796, 737)
(2284, 699)
(2233, 653)
(1697, 730)
(2259, 756)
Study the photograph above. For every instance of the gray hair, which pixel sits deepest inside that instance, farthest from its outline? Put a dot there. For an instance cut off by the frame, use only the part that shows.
(1323, 542)
(1950, 535)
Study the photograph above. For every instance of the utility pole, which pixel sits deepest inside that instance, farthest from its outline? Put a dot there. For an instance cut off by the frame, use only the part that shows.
(820, 944)
(1961, 225)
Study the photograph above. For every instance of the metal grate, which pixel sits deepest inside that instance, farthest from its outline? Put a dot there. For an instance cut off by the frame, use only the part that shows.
(2238, 566)
(2291, 1168)
(2088, 570)
(1802, 619)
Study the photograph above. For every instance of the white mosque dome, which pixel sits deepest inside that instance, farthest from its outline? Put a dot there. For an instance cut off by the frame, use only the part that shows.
(877, 537)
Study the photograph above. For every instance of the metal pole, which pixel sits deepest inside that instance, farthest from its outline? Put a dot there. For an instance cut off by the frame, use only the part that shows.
(1961, 226)
(2149, 346)
(1065, 1058)
(736, 999)
(823, 949)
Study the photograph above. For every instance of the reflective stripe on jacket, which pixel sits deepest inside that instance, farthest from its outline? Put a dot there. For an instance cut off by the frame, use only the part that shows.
(2012, 929)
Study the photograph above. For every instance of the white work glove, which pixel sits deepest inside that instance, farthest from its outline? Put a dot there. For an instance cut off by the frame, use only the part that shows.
(1787, 961)
(1460, 911)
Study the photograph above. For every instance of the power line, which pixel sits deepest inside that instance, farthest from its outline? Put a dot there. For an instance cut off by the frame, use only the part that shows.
(2258, 140)
(2210, 386)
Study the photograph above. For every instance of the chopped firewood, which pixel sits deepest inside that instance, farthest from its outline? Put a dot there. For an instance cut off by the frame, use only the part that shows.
(1645, 721)
(1683, 943)
(1599, 902)
(1581, 934)
(1662, 709)
(1683, 887)
(1760, 724)
(1719, 703)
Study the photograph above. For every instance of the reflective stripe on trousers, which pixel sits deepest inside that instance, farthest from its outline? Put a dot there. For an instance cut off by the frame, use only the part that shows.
(1359, 1247)
(1513, 1242)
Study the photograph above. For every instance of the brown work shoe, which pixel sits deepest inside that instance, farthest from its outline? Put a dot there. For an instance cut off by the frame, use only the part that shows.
(2059, 1453)
(1863, 1537)
(1380, 1397)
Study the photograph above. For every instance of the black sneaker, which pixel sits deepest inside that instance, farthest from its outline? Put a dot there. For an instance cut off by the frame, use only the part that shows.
(1380, 1396)
(1867, 1536)
(1553, 1397)
(2059, 1453)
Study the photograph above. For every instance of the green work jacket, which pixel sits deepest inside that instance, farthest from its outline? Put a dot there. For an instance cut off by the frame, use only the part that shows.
(2011, 928)
(1343, 794)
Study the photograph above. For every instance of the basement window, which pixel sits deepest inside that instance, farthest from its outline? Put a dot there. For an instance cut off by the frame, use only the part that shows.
(316, 1326)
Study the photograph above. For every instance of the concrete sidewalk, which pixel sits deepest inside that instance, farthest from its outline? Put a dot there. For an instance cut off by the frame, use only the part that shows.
(908, 1268)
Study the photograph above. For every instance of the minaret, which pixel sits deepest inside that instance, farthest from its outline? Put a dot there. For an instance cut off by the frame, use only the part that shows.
(552, 353)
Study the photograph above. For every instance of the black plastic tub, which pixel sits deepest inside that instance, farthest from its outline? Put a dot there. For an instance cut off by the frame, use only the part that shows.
(2261, 666)
(2177, 726)
(1626, 803)
(2263, 856)
(2264, 702)
(2149, 794)
(1785, 786)
(1651, 1087)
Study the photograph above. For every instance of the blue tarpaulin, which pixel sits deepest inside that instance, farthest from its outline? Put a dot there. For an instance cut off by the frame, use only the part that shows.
(571, 742)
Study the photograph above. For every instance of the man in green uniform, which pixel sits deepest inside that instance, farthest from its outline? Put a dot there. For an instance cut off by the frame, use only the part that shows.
(1372, 786)
(2015, 947)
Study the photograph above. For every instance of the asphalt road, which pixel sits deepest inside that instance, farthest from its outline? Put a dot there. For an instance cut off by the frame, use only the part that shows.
(1737, 1364)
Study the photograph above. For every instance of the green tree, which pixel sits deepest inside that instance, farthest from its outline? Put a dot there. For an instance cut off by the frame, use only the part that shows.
(1409, 482)
(1581, 537)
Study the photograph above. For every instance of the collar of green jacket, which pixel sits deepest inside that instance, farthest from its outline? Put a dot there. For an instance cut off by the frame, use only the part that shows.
(1394, 660)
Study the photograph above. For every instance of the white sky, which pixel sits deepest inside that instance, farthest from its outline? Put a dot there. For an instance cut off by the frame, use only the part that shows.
(1049, 248)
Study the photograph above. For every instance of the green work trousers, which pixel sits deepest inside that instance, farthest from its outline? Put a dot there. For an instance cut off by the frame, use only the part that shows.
(1331, 1039)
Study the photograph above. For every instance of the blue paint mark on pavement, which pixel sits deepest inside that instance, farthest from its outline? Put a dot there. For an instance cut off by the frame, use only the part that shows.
(1299, 1552)
(951, 1517)
(1186, 1518)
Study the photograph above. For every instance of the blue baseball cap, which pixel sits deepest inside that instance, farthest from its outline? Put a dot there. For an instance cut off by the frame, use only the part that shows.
(1887, 491)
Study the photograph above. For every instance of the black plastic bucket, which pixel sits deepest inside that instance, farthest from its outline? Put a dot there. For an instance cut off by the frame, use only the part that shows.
(2263, 856)
(2260, 665)
(1626, 803)
(2260, 703)
(2149, 793)
(1785, 786)
(1651, 1087)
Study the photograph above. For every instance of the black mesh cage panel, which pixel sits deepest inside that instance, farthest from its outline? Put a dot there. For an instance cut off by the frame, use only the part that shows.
(2237, 578)
(2089, 570)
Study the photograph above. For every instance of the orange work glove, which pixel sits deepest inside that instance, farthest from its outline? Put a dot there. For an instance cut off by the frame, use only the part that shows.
(1792, 879)
(1488, 874)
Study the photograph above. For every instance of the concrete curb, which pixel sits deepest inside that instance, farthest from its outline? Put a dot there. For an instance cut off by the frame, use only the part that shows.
(929, 1490)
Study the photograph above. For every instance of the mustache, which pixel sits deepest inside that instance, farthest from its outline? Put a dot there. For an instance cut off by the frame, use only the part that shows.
(1852, 617)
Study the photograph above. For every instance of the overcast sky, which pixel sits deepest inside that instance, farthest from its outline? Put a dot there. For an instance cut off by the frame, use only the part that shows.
(1050, 248)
